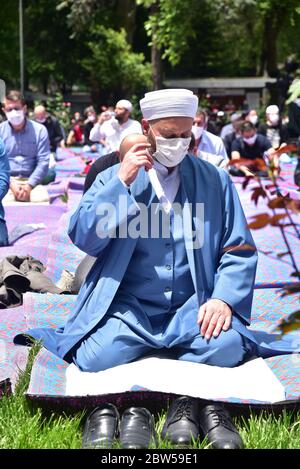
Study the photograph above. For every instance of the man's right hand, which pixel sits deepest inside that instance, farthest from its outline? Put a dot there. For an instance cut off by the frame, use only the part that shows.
(16, 189)
(137, 157)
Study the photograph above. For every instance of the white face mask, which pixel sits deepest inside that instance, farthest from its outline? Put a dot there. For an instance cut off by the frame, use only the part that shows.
(274, 118)
(251, 140)
(253, 119)
(197, 131)
(171, 151)
(91, 118)
(41, 121)
(15, 117)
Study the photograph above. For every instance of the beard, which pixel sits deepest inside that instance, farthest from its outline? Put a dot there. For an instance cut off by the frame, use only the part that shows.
(120, 118)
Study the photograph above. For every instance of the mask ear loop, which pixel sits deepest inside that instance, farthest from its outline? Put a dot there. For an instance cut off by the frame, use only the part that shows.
(150, 150)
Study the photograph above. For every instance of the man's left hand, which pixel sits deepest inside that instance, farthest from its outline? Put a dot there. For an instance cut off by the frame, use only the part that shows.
(214, 316)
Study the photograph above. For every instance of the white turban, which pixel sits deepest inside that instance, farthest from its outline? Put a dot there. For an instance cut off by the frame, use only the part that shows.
(169, 103)
(272, 109)
(125, 104)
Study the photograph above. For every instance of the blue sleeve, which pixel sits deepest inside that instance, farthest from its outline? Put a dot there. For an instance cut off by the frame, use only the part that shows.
(43, 156)
(235, 276)
(103, 209)
(4, 171)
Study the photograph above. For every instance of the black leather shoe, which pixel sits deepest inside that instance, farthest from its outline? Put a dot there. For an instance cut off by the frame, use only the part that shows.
(181, 425)
(137, 429)
(101, 427)
(217, 426)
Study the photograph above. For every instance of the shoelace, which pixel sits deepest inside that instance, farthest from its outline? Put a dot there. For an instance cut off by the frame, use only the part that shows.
(220, 417)
(183, 409)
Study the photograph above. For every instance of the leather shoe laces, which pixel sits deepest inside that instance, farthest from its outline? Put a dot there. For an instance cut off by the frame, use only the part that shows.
(183, 410)
(220, 417)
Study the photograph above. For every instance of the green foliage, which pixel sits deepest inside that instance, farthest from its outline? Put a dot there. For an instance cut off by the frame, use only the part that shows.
(196, 38)
(112, 63)
(9, 43)
(294, 91)
(169, 25)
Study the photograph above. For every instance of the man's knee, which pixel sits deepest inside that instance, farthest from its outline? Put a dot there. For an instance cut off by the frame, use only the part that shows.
(228, 349)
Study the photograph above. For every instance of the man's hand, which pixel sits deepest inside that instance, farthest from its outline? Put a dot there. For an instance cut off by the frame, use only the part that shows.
(16, 189)
(134, 159)
(213, 317)
(104, 116)
(23, 193)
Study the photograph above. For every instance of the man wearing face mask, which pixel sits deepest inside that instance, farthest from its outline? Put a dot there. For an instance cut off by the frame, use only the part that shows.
(182, 286)
(112, 131)
(273, 129)
(250, 145)
(27, 146)
(252, 117)
(210, 147)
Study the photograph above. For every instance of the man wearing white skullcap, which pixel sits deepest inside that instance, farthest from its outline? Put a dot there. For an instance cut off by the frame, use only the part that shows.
(113, 131)
(174, 273)
(273, 129)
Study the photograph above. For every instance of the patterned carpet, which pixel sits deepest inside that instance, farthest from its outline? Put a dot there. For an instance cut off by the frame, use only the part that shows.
(54, 248)
(48, 374)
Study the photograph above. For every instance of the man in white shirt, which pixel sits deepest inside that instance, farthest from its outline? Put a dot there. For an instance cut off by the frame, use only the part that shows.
(210, 147)
(112, 131)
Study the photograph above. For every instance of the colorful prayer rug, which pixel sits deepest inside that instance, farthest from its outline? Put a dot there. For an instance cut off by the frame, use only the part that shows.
(48, 374)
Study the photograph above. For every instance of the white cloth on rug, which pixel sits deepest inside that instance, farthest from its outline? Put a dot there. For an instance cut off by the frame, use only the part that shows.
(253, 380)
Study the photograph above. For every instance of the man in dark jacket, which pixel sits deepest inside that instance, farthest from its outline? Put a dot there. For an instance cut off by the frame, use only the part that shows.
(51, 124)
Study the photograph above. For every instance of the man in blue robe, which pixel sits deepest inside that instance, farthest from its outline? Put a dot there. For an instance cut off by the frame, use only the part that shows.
(183, 285)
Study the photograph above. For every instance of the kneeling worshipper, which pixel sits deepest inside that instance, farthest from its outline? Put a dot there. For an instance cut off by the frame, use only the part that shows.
(174, 273)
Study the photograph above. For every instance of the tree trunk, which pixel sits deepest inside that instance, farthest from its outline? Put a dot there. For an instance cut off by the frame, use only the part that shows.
(273, 22)
(156, 60)
(156, 63)
(126, 12)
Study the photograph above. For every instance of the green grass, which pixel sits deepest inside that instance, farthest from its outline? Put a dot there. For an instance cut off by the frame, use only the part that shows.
(22, 426)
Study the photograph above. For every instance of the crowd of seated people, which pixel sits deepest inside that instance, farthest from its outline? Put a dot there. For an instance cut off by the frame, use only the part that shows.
(220, 135)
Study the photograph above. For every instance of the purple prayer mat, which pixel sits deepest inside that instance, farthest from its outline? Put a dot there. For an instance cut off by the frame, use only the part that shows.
(70, 166)
(62, 254)
(13, 358)
(35, 244)
(274, 269)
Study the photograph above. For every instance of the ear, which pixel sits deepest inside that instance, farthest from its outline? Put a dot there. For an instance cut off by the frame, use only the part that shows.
(145, 126)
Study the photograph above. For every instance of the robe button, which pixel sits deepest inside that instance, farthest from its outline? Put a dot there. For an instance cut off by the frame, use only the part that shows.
(168, 267)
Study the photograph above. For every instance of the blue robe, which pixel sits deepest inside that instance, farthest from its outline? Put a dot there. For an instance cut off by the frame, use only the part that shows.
(224, 267)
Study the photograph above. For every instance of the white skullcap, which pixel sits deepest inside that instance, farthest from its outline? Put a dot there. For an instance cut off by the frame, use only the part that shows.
(169, 103)
(125, 104)
(235, 116)
(273, 109)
